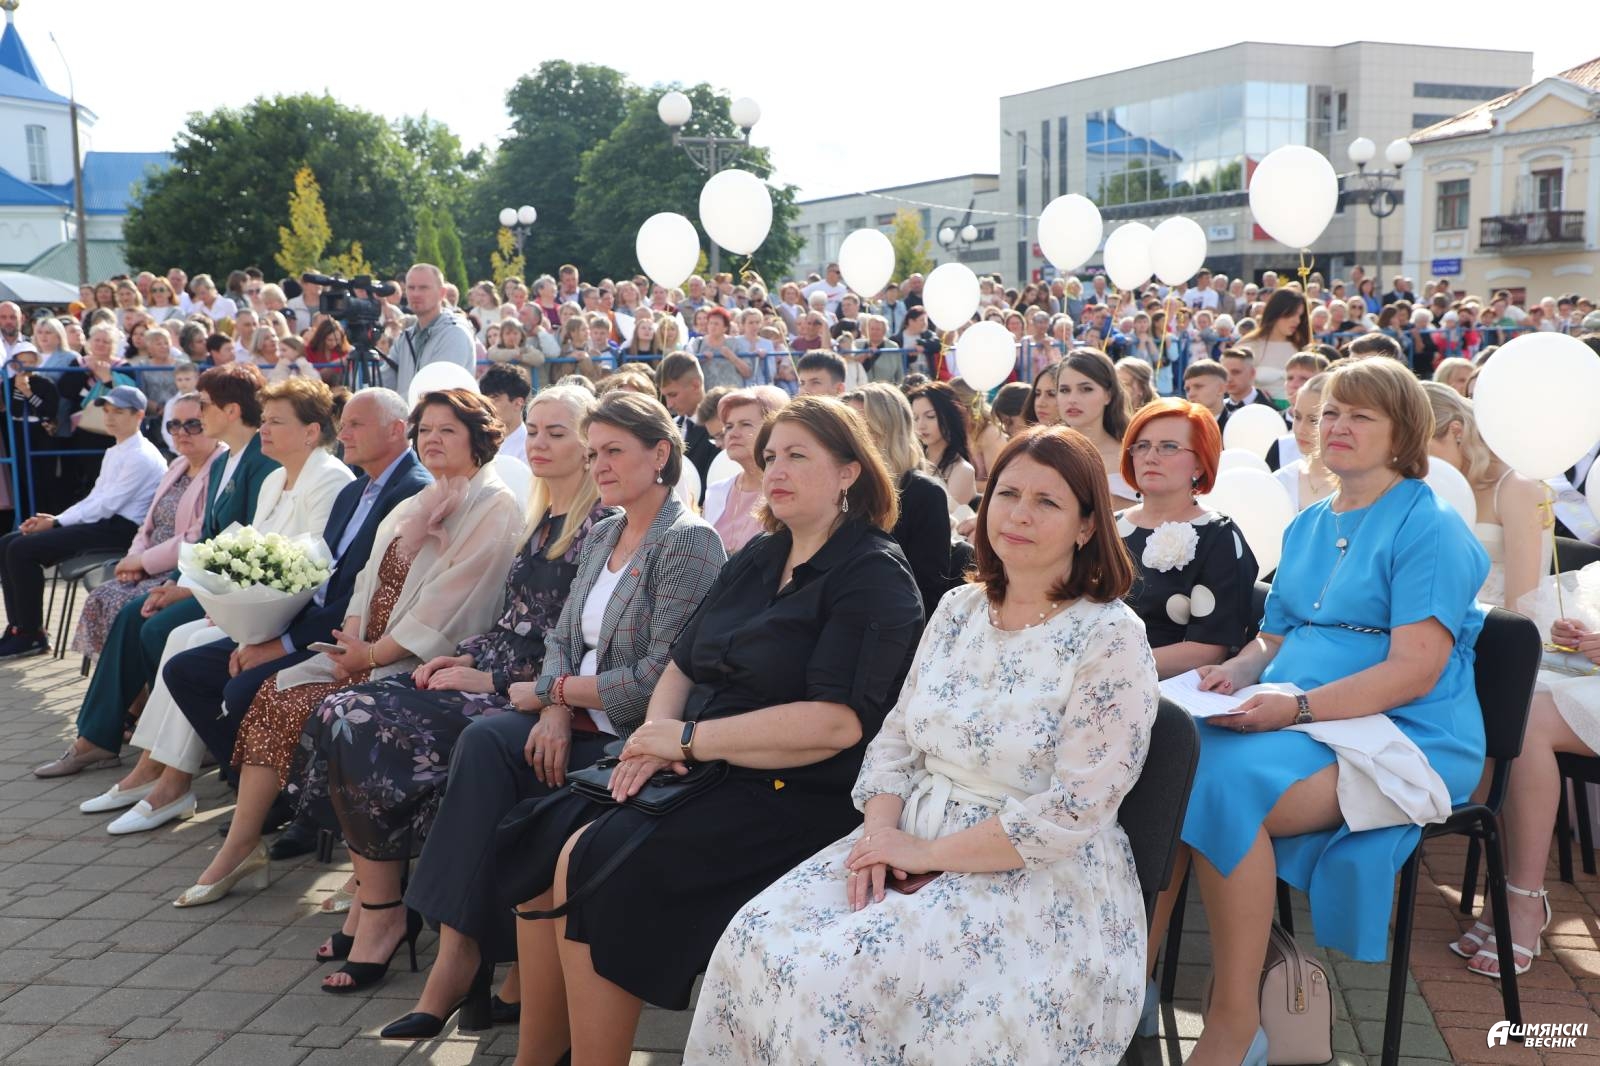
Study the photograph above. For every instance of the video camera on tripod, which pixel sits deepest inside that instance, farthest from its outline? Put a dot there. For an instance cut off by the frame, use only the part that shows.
(356, 304)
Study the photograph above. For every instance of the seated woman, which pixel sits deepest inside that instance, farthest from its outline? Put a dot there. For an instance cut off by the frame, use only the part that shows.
(296, 432)
(439, 578)
(107, 519)
(1023, 724)
(923, 527)
(1194, 572)
(1371, 614)
(785, 673)
(174, 519)
(941, 425)
(732, 502)
(1307, 478)
(1510, 523)
(639, 578)
(1092, 402)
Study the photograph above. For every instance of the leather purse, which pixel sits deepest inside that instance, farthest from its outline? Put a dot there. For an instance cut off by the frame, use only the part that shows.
(1296, 1006)
(665, 791)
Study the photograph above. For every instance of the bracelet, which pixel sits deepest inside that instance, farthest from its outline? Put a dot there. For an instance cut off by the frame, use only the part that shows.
(372, 659)
(559, 693)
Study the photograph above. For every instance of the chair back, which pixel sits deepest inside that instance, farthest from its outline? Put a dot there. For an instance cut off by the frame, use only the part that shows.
(1258, 608)
(1505, 667)
(1152, 811)
(1573, 554)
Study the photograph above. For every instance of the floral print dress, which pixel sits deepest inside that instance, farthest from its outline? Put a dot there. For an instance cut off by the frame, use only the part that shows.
(380, 752)
(1044, 728)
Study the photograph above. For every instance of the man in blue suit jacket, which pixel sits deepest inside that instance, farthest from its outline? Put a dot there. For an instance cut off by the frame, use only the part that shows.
(213, 685)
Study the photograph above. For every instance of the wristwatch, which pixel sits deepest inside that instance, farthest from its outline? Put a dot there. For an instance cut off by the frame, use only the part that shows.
(686, 741)
(1303, 715)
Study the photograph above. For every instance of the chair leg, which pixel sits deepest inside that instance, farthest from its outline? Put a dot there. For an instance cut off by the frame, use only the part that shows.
(1285, 908)
(1469, 878)
(50, 604)
(1580, 794)
(1496, 891)
(1169, 955)
(66, 620)
(83, 671)
(1400, 960)
(1563, 834)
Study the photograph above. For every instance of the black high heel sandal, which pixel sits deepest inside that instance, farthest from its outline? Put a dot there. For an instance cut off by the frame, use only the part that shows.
(474, 1010)
(339, 943)
(366, 974)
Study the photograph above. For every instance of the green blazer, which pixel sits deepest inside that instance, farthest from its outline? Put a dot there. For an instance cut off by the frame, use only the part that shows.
(235, 500)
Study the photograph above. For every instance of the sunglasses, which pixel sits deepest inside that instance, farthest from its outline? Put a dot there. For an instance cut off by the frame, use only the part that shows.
(190, 426)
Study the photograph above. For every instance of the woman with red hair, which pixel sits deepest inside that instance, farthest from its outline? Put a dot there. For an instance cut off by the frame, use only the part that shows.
(1195, 571)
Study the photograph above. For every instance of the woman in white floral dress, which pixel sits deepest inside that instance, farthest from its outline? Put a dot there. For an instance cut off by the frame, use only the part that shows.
(1023, 724)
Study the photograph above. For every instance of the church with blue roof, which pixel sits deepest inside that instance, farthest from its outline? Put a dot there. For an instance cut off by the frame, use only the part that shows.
(38, 224)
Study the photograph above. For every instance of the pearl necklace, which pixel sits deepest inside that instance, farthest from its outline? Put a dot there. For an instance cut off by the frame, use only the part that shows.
(994, 618)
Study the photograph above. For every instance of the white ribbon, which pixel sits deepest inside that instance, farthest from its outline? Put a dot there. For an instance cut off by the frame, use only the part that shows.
(939, 782)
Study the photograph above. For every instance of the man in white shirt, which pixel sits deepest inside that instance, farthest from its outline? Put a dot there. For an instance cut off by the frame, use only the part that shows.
(1201, 296)
(180, 288)
(507, 386)
(833, 288)
(216, 307)
(10, 330)
(105, 520)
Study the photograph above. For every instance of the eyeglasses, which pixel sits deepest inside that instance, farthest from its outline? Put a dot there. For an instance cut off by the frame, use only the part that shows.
(1166, 449)
(190, 426)
(252, 292)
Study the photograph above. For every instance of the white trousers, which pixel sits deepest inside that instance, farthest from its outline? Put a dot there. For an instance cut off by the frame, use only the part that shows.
(163, 731)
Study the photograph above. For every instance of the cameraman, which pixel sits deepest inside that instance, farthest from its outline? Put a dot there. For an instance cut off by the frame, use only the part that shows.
(439, 335)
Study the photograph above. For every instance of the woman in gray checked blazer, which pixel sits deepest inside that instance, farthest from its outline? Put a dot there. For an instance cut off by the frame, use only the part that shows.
(641, 577)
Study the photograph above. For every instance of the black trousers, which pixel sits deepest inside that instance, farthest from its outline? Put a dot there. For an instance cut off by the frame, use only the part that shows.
(212, 701)
(23, 557)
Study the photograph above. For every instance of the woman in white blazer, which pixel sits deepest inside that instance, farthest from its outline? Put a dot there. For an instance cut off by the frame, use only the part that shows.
(296, 430)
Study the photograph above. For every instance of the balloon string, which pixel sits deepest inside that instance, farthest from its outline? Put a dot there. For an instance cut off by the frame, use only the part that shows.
(1549, 509)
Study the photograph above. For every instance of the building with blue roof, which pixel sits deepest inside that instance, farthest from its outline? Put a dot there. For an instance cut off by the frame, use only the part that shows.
(36, 180)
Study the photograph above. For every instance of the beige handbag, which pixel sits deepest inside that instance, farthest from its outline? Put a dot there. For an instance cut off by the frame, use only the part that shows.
(1296, 1005)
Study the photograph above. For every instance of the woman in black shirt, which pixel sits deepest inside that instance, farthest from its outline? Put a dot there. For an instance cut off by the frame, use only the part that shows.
(786, 673)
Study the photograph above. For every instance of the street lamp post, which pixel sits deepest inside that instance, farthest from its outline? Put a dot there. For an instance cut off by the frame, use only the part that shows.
(954, 239)
(709, 152)
(1381, 185)
(77, 170)
(519, 220)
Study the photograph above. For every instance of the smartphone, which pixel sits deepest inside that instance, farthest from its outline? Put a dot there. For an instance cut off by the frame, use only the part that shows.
(910, 884)
(326, 648)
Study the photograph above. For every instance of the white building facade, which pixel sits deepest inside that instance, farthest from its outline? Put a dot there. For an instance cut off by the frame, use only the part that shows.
(944, 204)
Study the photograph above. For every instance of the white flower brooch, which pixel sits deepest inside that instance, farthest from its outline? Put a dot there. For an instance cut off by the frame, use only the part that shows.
(1171, 546)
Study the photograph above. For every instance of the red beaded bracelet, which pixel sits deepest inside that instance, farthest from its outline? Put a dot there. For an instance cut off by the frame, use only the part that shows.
(559, 694)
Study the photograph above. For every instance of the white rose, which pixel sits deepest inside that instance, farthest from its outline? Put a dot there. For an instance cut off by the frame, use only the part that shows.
(1171, 546)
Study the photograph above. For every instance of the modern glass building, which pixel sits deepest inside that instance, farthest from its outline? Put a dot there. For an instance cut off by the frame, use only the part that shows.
(1184, 135)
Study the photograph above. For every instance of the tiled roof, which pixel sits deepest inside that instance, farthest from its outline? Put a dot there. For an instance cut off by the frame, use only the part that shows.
(106, 259)
(1480, 119)
(14, 192)
(19, 78)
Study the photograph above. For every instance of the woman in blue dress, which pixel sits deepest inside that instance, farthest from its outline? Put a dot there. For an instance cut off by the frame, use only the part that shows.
(1373, 612)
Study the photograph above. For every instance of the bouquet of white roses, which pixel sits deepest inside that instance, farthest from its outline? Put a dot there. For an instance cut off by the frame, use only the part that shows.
(252, 584)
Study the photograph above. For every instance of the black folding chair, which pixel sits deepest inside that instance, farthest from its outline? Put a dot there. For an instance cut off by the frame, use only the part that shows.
(1152, 811)
(1573, 555)
(72, 571)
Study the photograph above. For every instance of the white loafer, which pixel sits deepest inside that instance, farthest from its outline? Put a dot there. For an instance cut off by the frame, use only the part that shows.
(143, 817)
(115, 799)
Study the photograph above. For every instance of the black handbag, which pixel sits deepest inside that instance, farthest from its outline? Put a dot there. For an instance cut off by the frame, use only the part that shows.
(665, 791)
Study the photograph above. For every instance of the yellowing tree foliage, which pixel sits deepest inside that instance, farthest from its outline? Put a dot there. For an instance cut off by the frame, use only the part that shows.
(302, 242)
(504, 262)
(910, 245)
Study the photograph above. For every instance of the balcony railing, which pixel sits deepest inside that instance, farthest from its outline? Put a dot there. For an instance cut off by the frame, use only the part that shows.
(1531, 228)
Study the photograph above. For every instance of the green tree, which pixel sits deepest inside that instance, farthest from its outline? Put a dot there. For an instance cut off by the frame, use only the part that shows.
(911, 248)
(302, 242)
(451, 261)
(427, 245)
(221, 203)
(637, 171)
(557, 112)
(505, 262)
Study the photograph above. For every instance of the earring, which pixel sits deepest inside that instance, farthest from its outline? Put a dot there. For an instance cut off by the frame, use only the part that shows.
(844, 501)
(658, 475)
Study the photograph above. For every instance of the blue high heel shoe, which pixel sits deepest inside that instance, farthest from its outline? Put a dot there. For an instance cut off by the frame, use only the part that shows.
(1257, 1055)
(1150, 1017)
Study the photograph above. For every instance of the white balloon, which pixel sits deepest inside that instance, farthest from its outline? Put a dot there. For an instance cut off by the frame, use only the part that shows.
(1536, 403)
(517, 476)
(1128, 255)
(668, 248)
(1592, 491)
(866, 259)
(1293, 194)
(1254, 428)
(722, 467)
(1239, 459)
(1260, 504)
(1450, 486)
(736, 210)
(987, 354)
(1070, 229)
(950, 294)
(437, 377)
(1177, 250)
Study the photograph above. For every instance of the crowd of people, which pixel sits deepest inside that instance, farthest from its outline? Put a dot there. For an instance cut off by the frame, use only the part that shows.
(803, 665)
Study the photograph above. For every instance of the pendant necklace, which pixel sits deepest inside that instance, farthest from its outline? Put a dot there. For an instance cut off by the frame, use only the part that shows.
(1343, 542)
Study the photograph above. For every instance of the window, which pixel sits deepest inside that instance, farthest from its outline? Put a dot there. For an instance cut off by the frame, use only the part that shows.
(1341, 111)
(854, 224)
(1434, 91)
(1061, 156)
(1451, 212)
(1022, 170)
(1044, 163)
(1547, 190)
(38, 155)
(1424, 119)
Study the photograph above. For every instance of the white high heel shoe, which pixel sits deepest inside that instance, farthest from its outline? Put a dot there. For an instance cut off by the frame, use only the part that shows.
(1493, 953)
(253, 872)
